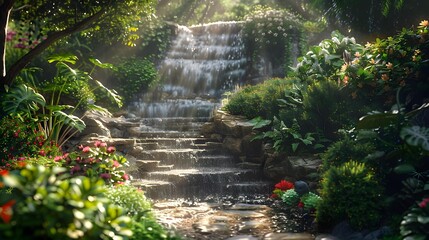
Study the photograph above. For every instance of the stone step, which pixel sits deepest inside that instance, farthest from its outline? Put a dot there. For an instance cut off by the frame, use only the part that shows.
(167, 143)
(202, 176)
(174, 156)
(251, 187)
(206, 161)
(166, 134)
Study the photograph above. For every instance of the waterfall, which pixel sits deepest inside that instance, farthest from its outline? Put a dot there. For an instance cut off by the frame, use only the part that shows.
(203, 62)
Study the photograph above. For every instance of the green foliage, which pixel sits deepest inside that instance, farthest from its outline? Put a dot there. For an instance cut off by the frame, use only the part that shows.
(100, 161)
(284, 138)
(348, 191)
(311, 200)
(134, 76)
(46, 204)
(22, 99)
(290, 198)
(326, 108)
(131, 199)
(415, 224)
(325, 59)
(135, 204)
(345, 150)
(259, 100)
(266, 29)
(19, 139)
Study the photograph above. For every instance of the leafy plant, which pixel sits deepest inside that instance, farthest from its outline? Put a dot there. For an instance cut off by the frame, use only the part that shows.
(134, 76)
(415, 224)
(59, 207)
(286, 139)
(100, 161)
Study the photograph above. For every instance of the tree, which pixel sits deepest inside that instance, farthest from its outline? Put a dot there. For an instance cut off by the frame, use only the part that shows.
(111, 19)
(373, 18)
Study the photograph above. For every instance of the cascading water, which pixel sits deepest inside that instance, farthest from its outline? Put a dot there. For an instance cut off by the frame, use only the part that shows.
(203, 62)
(176, 161)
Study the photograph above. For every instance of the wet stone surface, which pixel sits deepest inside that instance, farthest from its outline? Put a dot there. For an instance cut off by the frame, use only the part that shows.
(227, 218)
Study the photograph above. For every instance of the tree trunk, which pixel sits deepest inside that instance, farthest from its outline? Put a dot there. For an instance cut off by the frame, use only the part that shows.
(5, 8)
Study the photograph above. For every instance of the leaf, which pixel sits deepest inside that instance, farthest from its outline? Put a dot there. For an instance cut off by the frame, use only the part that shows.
(98, 63)
(295, 146)
(70, 120)
(111, 94)
(378, 120)
(404, 169)
(259, 122)
(416, 136)
(22, 99)
(65, 57)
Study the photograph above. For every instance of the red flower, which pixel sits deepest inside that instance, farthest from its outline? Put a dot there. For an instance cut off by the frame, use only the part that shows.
(300, 204)
(284, 185)
(274, 196)
(424, 203)
(6, 211)
(42, 153)
(97, 143)
(4, 172)
(111, 149)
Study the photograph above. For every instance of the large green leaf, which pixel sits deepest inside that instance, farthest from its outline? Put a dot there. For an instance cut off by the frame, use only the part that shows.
(22, 99)
(377, 120)
(70, 120)
(111, 94)
(416, 136)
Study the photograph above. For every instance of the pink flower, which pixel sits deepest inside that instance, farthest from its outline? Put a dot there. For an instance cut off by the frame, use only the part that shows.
(19, 45)
(42, 153)
(111, 149)
(97, 143)
(116, 164)
(424, 203)
(125, 177)
(105, 175)
(86, 149)
(58, 158)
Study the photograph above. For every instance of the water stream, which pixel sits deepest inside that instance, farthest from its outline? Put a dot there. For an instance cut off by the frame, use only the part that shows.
(182, 171)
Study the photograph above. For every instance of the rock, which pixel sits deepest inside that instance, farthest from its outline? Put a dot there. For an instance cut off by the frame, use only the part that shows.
(245, 206)
(116, 133)
(288, 236)
(301, 187)
(233, 145)
(250, 147)
(326, 237)
(243, 237)
(95, 126)
(208, 128)
(244, 215)
(249, 226)
(279, 166)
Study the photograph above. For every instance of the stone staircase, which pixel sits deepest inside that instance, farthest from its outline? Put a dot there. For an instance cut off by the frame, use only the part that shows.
(175, 161)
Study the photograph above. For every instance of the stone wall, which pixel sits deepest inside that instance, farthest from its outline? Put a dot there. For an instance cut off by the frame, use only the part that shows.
(237, 134)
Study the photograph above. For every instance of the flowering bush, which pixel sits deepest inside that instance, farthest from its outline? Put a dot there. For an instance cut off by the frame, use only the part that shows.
(99, 161)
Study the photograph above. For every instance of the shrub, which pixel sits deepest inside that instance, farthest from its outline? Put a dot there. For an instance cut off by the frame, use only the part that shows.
(346, 150)
(135, 75)
(350, 192)
(135, 204)
(100, 161)
(259, 100)
(44, 203)
(327, 108)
